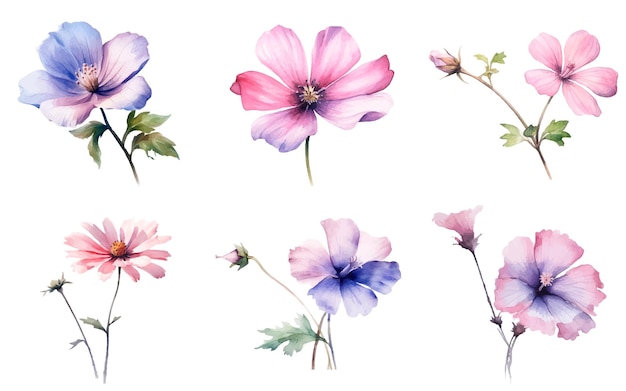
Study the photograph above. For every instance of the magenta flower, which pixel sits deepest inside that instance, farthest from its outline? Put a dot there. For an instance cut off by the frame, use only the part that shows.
(131, 249)
(342, 98)
(530, 285)
(580, 49)
(463, 223)
(81, 74)
(350, 273)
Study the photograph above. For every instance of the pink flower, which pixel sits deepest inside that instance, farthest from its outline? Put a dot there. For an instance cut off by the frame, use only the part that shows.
(530, 285)
(580, 49)
(129, 250)
(342, 98)
(463, 223)
(445, 62)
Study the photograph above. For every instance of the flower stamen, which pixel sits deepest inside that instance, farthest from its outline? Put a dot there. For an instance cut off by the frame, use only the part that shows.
(87, 77)
(545, 280)
(118, 249)
(310, 94)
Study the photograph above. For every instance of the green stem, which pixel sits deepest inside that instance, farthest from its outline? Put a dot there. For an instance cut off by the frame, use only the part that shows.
(107, 332)
(319, 334)
(121, 144)
(93, 363)
(306, 157)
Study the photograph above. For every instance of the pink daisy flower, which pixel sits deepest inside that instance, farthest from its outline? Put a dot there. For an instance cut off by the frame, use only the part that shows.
(129, 250)
(530, 285)
(581, 48)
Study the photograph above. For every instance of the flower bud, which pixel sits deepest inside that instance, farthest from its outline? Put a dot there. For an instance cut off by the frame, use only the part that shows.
(56, 285)
(238, 257)
(445, 62)
(518, 329)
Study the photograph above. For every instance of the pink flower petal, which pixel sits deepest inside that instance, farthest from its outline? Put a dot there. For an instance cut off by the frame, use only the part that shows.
(537, 317)
(461, 222)
(310, 263)
(555, 252)
(346, 113)
(513, 295)
(105, 270)
(132, 272)
(580, 49)
(69, 111)
(155, 271)
(343, 239)
(84, 242)
(580, 286)
(582, 322)
(286, 129)
(335, 52)
(123, 57)
(601, 81)
(368, 78)
(580, 101)
(261, 92)
(372, 248)
(545, 82)
(519, 262)
(281, 51)
(547, 50)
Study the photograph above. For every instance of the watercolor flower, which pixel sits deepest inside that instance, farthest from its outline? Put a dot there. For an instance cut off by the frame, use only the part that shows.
(82, 74)
(463, 223)
(530, 285)
(445, 62)
(580, 49)
(129, 250)
(343, 98)
(350, 271)
(237, 257)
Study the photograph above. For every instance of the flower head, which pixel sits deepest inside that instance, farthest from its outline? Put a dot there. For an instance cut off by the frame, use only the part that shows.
(580, 49)
(463, 223)
(530, 285)
(238, 257)
(57, 285)
(129, 250)
(343, 98)
(350, 271)
(445, 62)
(81, 74)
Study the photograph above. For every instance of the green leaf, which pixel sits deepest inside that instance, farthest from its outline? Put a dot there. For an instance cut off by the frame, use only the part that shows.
(498, 58)
(155, 142)
(115, 320)
(555, 131)
(89, 129)
(94, 148)
(295, 336)
(530, 131)
(93, 322)
(513, 137)
(482, 58)
(146, 122)
(76, 343)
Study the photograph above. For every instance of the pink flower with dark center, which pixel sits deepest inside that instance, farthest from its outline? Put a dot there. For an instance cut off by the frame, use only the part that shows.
(463, 223)
(580, 49)
(129, 250)
(531, 285)
(343, 98)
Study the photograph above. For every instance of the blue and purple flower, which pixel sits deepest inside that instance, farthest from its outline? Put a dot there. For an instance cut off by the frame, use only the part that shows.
(82, 74)
(350, 271)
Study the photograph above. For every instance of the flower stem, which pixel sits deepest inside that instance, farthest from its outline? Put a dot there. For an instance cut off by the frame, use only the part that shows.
(509, 358)
(493, 312)
(107, 332)
(330, 342)
(306, 157)
(318, 325)
(319, 333)
(93, 363)
(121, 144)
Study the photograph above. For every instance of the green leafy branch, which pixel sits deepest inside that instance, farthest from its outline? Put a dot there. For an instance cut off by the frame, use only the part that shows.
(497, 58)
(555, 131)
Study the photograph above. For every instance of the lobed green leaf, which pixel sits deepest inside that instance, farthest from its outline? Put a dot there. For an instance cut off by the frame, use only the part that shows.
(295, 336)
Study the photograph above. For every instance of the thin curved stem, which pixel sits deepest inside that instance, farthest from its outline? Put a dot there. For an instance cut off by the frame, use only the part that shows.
(121, 144)
(509, 358)
(330, 342)
(319, 334)
(306, 157)
(107, 332)
(93, 363)
(493, 312)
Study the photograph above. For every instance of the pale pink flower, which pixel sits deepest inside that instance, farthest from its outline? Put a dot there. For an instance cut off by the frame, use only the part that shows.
(580, 49)
(530, 285)
(445, 62)
(129, 250)
(343, 97)
(463, 223)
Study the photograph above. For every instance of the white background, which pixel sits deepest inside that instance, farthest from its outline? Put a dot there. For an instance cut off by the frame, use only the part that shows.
(436, 151)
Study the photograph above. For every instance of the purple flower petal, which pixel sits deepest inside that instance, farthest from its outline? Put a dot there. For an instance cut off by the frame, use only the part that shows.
(371, 77)
(346, 113)
(357, 299)
(335, 52)
(68, 111)
(310, 262)
(343, 239)
(286, 129)
(281, 51)
(131, 95)
(513, 295)
(580, 286)
(378, 275)
(327, 295)
(519, 262)
(123, 57)
(40, 86)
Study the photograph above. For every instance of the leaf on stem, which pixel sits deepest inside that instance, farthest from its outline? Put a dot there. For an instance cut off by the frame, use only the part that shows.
(155, 142)
(115, 320)
(93, 129)
(144, 122)
(93, 322)
(76, 343)
(555, 131)
(295, 336)
(514, 136)
(498, 58)
(530, 131)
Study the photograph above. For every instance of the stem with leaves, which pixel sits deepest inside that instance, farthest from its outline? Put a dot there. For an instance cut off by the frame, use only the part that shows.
(121, 144)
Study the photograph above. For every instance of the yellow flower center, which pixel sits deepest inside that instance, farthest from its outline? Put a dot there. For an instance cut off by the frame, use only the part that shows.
(309, 94)
(118, 249)
(87, 77)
